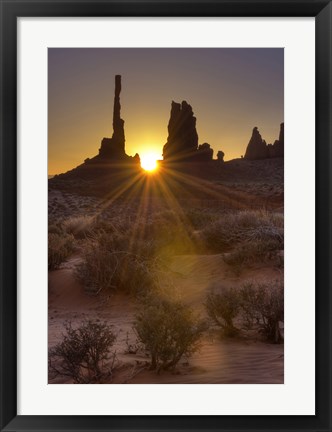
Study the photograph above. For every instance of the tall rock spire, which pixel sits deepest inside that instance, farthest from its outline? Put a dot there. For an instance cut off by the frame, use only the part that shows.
(182, 141)
(256, 148)
(118, 123)
(114, 148)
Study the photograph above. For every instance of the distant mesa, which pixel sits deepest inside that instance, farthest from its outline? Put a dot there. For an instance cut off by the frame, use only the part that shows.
(182, 142)
(258, 149)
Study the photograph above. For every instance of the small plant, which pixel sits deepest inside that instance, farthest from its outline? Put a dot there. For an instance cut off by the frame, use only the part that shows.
(83, 353)
(169, 330)
(263, 304)
(223, 308)
(60, 247)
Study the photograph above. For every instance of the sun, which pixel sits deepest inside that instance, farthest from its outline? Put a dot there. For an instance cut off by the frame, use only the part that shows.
(149, 162)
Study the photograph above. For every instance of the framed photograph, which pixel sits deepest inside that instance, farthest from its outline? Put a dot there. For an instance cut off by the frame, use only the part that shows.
(165, 215)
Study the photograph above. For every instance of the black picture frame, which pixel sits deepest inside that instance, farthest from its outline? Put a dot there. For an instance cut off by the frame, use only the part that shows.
(10, 11)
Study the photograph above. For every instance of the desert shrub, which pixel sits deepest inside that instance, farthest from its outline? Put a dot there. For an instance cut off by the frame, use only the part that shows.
(60, 247)
(169, 234)
(79, 226)
(259, 250)
(243, 227)
(223, 307)
(263, 304)
(216, 237)
(159, 233)
(200, 218)
(114, 262)
(169, 330)
(83, 353)
(109, 224)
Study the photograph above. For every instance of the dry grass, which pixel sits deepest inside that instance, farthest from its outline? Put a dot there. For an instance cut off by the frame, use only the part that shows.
(79, 226)
(243, 227)
(113, 262)
(60, 247)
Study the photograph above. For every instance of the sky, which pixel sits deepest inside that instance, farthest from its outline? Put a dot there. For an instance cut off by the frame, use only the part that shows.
(231, 90)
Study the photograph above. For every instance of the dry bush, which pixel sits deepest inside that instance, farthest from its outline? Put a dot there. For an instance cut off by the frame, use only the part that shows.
(263, 304)
(79, 226)
(243, 227)
(169, 330)
(114, 262)
(200, 218)
(255, 305)
(106, 224)
(252, 252)
(130, 256)
(84, 353)
(169, 234)
(223, 307)
(60, 247)
(161, 233)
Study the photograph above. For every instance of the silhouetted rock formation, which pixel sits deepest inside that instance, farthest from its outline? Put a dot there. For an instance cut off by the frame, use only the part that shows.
(205, 152)
(277, 149)
(111, 168)
(258, 149)
(182, 141)
(114, 148)
(220, 156)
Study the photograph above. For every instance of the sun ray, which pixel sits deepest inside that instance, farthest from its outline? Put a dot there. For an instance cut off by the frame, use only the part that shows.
(112, 196)
(228, 197)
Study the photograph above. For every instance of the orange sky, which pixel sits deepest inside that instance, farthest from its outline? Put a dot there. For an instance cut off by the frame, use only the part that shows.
(230, 91)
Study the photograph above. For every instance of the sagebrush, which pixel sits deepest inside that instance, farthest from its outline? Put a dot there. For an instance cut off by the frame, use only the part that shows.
(223, 308)
(244, 227)
(84, 353)
(259, 305)
(263, 304)
(169, 330)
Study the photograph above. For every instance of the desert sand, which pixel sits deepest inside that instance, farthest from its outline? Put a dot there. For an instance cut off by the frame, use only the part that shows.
(247, 360)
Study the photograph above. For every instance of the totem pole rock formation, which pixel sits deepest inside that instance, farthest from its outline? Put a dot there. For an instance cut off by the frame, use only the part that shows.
(114, 148)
